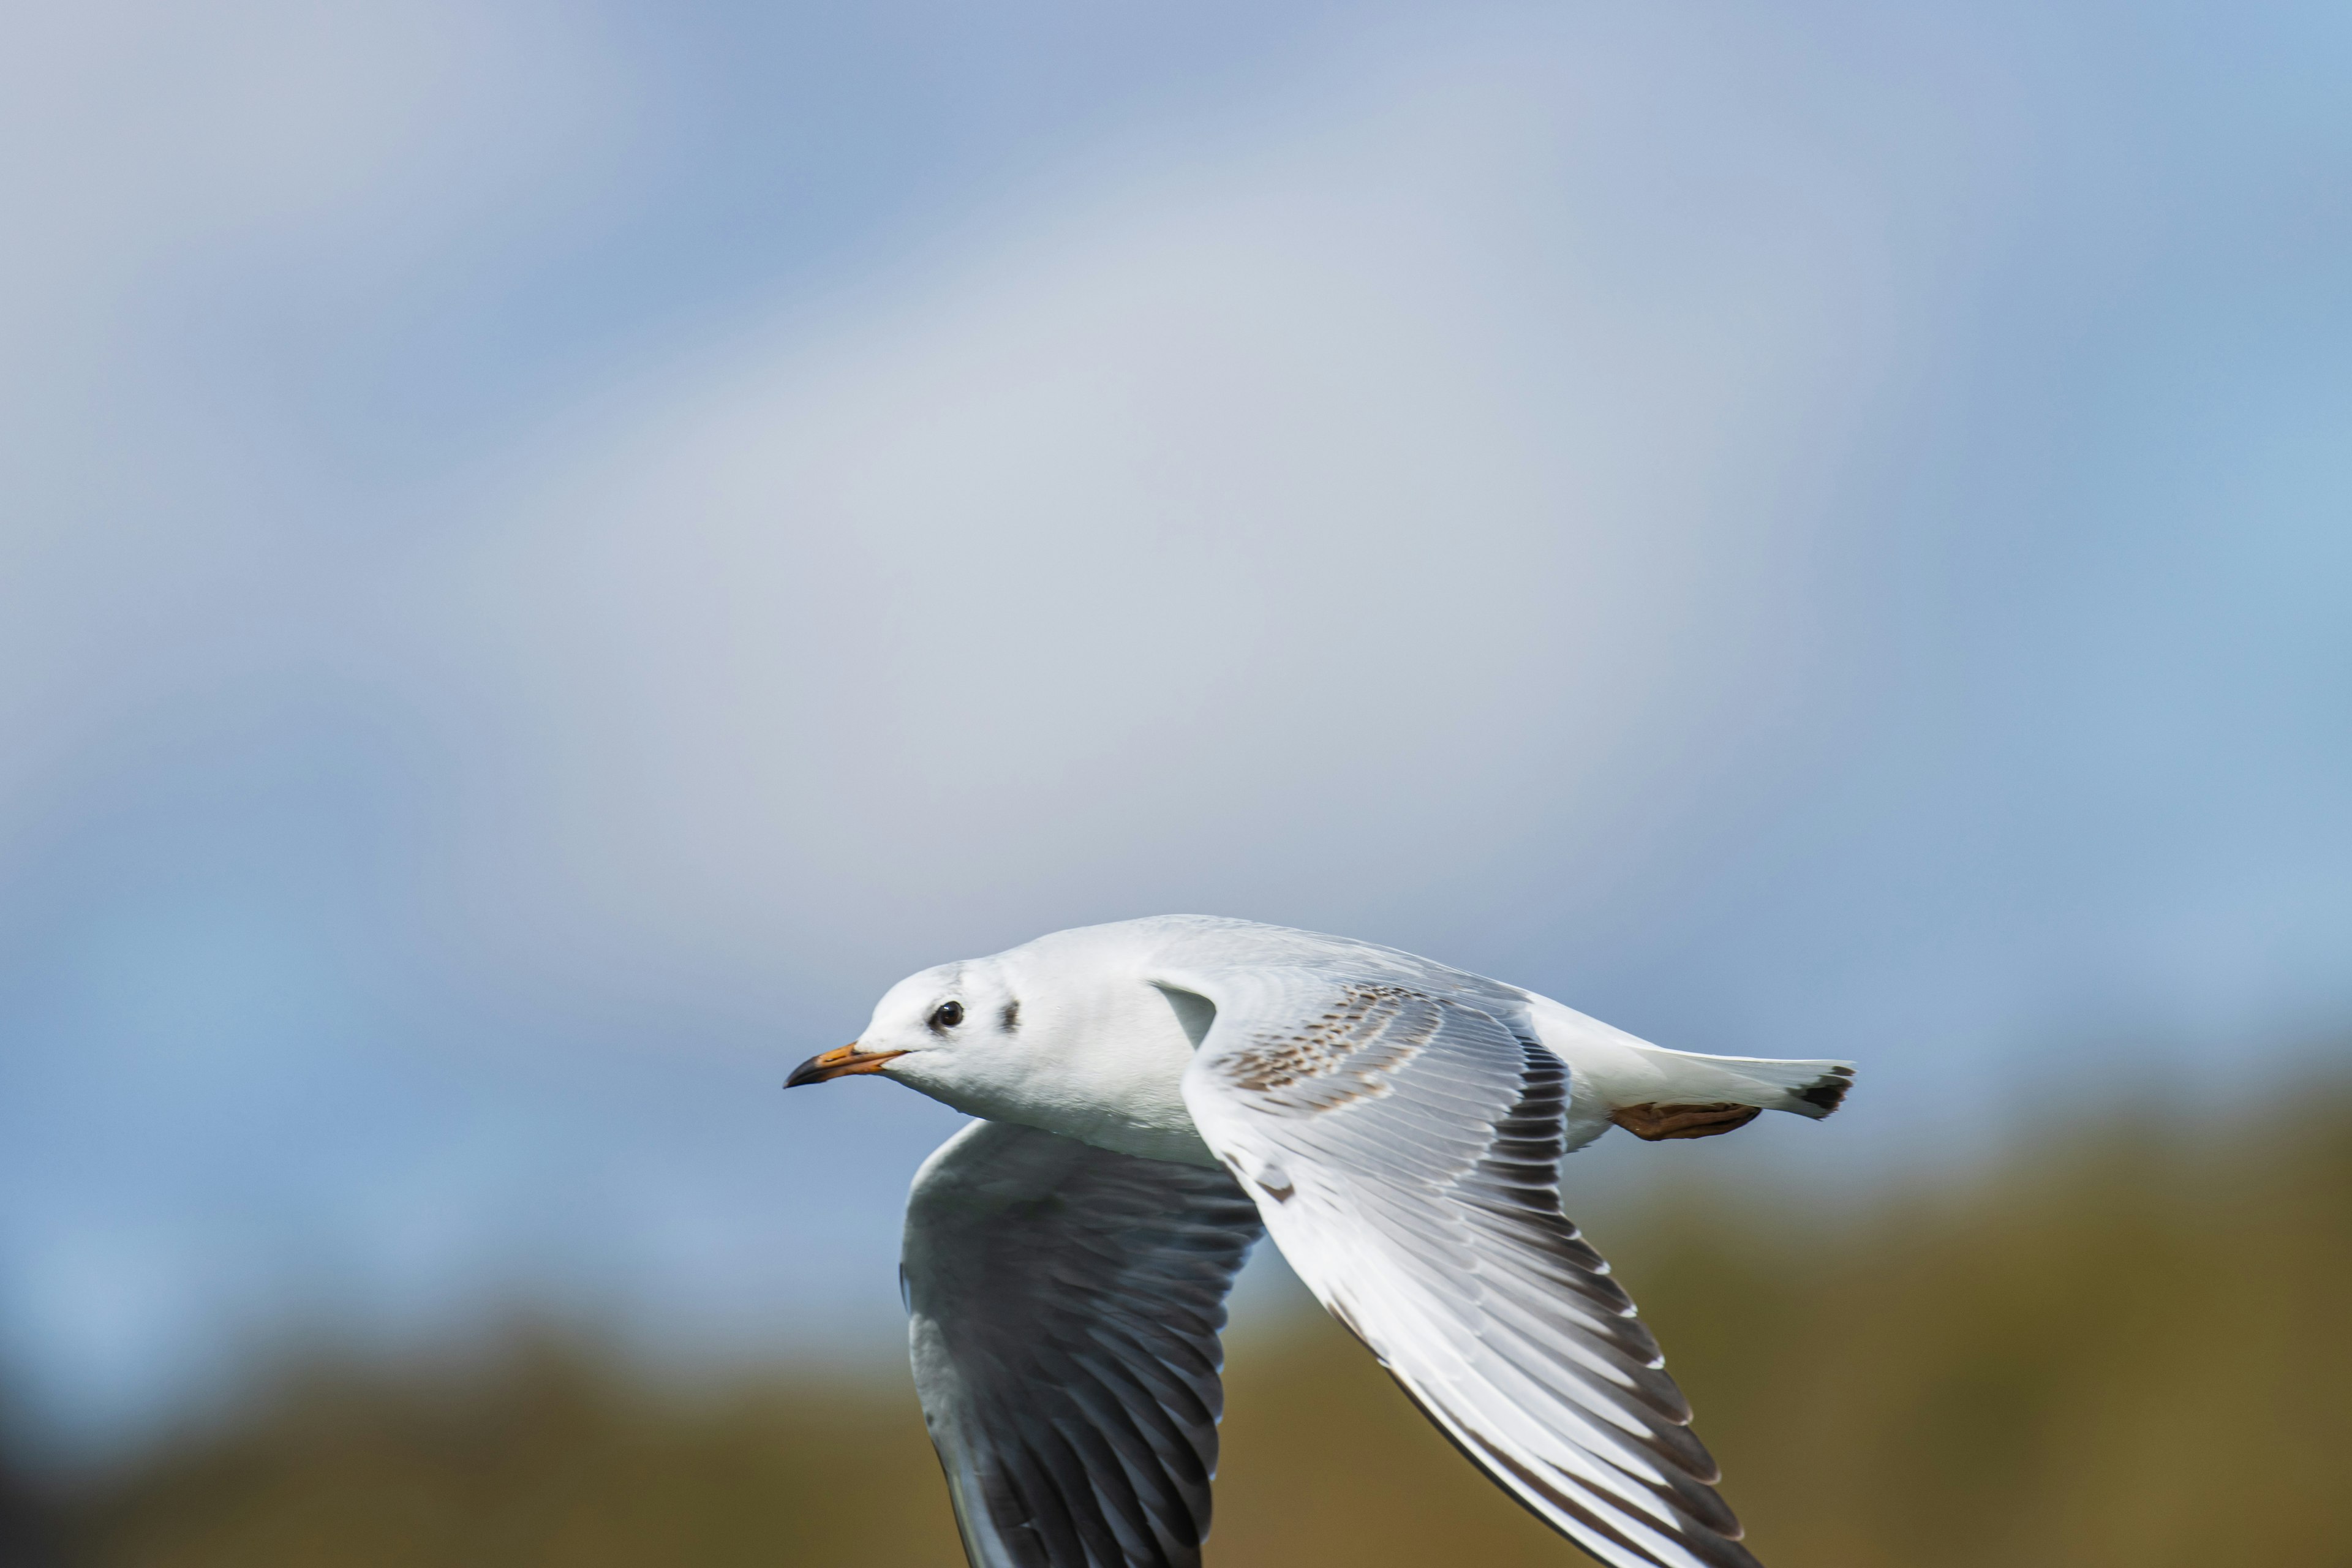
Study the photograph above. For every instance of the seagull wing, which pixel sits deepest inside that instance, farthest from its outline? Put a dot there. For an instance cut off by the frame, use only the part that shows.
(1065, 1304)
(1402, 1142)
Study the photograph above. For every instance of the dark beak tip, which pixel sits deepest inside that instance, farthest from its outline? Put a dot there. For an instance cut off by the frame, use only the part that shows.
(844, 1061)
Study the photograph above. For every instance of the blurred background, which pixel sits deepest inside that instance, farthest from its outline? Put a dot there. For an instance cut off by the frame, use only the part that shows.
(548, 553)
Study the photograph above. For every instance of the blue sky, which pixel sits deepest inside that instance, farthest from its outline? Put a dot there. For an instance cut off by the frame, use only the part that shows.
(552, 553)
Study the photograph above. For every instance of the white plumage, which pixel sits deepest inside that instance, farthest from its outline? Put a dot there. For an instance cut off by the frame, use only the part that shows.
(1158, 1093)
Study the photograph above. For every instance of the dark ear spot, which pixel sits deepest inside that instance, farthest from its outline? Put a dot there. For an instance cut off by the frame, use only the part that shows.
(1012, 1018)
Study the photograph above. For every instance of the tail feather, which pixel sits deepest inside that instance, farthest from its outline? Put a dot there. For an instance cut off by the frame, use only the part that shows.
(1827, 1092)
(1660, 1094)
(1812, 1089)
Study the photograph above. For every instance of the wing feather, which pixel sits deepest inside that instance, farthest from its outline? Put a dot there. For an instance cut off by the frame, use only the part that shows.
(1064, 1304)
(1402, 1140)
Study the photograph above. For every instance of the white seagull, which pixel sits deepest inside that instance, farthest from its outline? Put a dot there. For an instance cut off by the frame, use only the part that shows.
(1157, 1094)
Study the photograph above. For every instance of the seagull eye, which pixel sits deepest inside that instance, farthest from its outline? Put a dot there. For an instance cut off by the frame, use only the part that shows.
(948, 1015)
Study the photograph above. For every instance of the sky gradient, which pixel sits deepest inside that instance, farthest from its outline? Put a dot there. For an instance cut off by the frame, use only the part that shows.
(552, 553)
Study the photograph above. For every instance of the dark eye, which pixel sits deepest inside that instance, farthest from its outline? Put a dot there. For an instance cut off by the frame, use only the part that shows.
(950, 1015)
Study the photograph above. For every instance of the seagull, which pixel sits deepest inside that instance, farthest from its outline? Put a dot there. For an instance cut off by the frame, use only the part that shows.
(1156, 1095)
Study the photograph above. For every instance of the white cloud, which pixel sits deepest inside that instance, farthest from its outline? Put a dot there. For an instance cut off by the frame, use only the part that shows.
(1294, 530)
(163, 169)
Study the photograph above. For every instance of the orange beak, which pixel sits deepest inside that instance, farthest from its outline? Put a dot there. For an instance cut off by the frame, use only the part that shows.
(841, 1062)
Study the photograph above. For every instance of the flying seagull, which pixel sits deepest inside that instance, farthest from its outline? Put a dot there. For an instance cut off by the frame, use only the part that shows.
(1156, 1095)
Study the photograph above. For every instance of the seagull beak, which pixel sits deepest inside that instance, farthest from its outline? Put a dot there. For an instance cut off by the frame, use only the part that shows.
(839, 1063)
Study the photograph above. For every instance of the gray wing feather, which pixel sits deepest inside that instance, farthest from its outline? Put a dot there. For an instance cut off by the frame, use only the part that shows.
(1403, 1142)
(1064, 1304)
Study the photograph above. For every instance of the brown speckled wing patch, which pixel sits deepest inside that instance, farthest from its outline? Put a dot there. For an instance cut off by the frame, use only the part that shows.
(1344, 1054)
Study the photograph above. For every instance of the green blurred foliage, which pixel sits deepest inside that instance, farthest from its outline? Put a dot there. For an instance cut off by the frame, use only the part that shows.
(2125, 1348)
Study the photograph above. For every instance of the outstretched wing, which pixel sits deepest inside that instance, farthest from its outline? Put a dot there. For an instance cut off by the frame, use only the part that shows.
(1064, 1305)
(1403, 1145)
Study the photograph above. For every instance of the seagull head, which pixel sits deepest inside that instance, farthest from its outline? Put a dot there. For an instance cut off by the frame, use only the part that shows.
(1064, 1032)
(950, 1025)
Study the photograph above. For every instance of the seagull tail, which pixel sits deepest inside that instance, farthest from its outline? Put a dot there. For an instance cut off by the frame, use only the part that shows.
(1812, 1089)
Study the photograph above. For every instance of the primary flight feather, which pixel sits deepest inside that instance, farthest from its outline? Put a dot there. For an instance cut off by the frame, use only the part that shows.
(1158, 1094)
